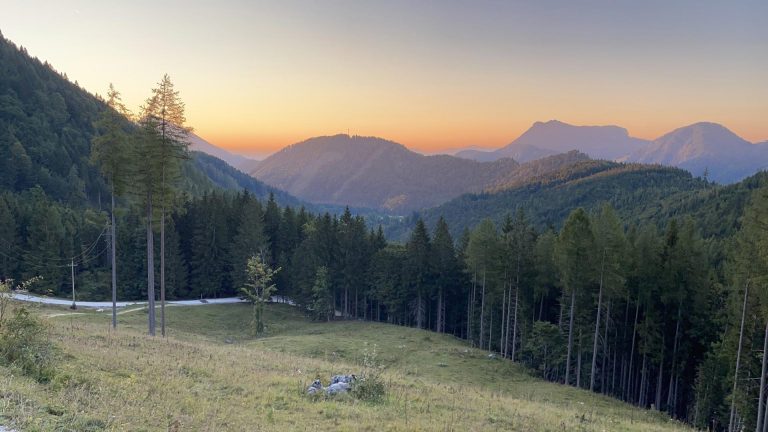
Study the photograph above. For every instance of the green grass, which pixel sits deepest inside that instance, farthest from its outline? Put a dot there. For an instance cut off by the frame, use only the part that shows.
(211, 374)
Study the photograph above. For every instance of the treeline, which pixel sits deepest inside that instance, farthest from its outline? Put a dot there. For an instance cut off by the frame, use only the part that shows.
(645, 315)
(649, 316)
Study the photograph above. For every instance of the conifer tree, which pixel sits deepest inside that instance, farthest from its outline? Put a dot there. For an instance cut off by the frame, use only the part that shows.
(574, 259)
(166, 109)
(610, 251)
(109, 150)
(322, 303)
(446, 269)
(419, 269)
(483, 255)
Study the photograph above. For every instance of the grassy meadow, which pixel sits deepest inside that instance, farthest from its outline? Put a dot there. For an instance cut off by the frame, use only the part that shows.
(209, 374)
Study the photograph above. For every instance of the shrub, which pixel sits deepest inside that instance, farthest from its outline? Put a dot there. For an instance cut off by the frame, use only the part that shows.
(370, 387)
(25, 343)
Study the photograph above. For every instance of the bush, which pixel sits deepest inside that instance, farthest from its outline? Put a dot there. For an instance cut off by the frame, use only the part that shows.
(370, 387)
(25, 343)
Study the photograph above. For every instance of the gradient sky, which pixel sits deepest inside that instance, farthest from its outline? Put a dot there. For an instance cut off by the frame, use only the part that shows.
(433, 75)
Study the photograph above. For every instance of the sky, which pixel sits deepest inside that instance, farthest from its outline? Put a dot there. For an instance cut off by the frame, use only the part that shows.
(431, 74)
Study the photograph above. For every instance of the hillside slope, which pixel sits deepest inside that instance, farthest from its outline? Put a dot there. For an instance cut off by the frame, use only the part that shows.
(376, 173)
(209, 374)
(372, 172)
(200, 145)
(46, 128)
(638, 192)
(205, 173)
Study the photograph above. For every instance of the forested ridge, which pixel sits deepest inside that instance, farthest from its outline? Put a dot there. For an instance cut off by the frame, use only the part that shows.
(650, 293)
(641, 194)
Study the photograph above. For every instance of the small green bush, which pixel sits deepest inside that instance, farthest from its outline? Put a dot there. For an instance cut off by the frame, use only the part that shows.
(25, 343)
(370, 387)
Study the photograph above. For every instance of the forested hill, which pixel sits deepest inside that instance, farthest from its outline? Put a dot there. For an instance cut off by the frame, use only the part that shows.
(640, 193)
(379, 174)
(206, 173)
(46, 128)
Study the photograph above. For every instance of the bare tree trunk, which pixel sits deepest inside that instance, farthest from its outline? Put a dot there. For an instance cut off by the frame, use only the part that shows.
(604, 368)
(731, 424)
(578, 364)
(490, 330)
(162, 272)
(438, 325)
(517, 301)
(113, 245)
(474, 302)
(482, 312)
(346, 302)
(419, 311)
(502, 347)
(631, 376)
(469, 316)
(643, 374)
(597, 327)
(570, 340)
(761, 400)
(613, 369)
(661, 375)
(670, 404)
(509, 319)
(150, 267)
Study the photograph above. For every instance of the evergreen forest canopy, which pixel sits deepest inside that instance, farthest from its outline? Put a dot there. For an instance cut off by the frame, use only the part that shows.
(653, 310)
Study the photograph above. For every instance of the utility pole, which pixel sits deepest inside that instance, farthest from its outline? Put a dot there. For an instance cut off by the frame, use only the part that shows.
(72, 266)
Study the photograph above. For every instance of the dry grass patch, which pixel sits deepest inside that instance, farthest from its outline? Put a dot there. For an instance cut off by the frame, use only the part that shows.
(197, 382)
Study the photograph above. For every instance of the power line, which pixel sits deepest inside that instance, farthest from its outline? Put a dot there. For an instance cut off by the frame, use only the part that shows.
(78, 259)
(78, 256)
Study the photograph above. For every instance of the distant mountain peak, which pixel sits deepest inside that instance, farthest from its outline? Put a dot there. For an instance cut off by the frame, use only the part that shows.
(706, 147)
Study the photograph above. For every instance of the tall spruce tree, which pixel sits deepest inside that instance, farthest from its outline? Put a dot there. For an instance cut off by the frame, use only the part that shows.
(419, 269)
(446, 270)
(166, 109)
(574, 253)
(610, 248)
(109, 150)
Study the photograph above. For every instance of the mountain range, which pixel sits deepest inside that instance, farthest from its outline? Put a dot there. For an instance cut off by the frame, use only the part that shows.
(380, 174)
(46, 125)
(698, 148)
(553, 137)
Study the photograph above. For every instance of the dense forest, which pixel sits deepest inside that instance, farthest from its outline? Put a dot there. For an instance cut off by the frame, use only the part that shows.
(640, 194)
(667, 311)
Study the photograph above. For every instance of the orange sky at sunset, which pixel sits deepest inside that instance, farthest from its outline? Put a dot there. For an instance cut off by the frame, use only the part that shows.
(430, 75)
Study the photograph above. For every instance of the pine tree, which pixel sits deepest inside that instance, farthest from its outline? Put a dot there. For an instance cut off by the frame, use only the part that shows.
(322, 302)
(166, 109)
(482, 255)
(419, 269)
(574, 259)
(446, 269)
(109, 150)
(249, 238)
(610, 248)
